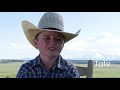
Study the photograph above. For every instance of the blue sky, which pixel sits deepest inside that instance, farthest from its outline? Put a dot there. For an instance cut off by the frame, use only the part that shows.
(99, 37)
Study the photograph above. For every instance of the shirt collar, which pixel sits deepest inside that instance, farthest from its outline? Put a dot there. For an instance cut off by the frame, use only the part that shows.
(60, 62)
(36, 61)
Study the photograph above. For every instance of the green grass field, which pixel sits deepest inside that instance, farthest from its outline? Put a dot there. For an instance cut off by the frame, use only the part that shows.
(105, 72)
(9, 70)
(109, 72)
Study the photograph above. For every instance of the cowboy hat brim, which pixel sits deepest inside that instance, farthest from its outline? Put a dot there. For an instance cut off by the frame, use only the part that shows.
(31, 31)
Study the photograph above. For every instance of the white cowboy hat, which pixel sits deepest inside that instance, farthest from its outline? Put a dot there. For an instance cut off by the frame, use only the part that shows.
(49, 22)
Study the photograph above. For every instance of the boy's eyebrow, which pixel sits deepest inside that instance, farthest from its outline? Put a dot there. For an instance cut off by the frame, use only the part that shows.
(46, 35)
(58, 35)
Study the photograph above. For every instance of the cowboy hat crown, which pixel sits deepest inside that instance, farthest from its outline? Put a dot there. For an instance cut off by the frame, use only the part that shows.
(51, 20)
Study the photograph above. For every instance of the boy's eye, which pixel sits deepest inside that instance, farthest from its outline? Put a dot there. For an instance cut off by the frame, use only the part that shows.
(46, 38)
(59, 39)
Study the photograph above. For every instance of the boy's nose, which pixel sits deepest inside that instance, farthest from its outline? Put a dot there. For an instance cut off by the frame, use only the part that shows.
(52, 41)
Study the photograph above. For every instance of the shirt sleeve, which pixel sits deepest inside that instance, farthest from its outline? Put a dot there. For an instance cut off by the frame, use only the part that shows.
(73, 73)
(20, 73)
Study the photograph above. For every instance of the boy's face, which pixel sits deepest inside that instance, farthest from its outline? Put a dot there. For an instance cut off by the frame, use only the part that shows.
(49, 43)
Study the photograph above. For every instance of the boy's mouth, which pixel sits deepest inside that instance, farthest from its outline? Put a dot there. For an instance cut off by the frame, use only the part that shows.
(51, 48)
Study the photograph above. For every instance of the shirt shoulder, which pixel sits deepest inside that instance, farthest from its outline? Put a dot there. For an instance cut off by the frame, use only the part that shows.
(25, 69)
(28, 65)
(67, 64)
(71, 68)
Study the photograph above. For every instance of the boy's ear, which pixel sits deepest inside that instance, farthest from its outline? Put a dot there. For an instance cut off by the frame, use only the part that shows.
(35, 43)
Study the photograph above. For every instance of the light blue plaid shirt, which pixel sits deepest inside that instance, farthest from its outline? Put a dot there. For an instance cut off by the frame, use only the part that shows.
(35, 69)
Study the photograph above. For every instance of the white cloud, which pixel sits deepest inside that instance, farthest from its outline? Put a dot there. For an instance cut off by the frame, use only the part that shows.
(109, 41)
(76, 45)
(104, 45)
(18, 51)
(19, 46)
